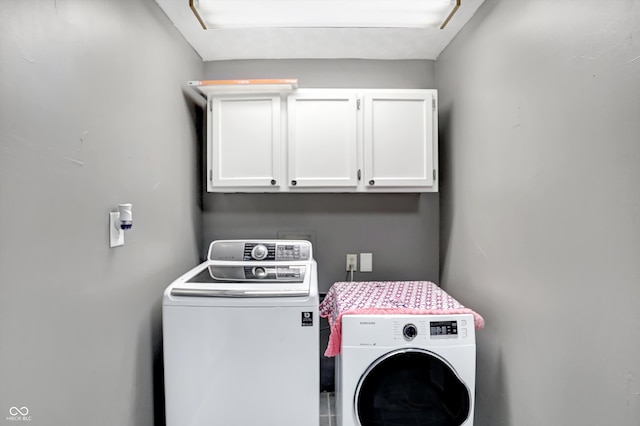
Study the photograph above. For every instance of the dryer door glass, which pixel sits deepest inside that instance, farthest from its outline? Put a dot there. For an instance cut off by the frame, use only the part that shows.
(411, 387)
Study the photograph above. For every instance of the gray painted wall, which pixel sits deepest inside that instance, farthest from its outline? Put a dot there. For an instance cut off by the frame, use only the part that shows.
(92, 114)
(541, 206)
(401, 230)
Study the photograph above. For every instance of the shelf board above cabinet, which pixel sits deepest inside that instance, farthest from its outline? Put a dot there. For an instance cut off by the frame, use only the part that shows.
(227, 87)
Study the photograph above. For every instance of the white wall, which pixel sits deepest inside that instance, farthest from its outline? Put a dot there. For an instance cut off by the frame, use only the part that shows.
(540, 206)
(92, 114)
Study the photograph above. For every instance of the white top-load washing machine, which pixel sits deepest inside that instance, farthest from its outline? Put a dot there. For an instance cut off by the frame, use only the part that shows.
(406, 370)
(241, 340)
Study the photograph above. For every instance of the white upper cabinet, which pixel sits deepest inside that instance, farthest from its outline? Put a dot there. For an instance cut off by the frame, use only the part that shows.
(322, 139)
(244, 142)
(399, 139)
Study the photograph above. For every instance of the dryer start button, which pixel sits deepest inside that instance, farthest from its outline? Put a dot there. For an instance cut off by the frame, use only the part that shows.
(410, 331)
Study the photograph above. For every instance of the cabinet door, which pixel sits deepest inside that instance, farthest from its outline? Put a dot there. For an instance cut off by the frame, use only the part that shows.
(322, 148)
(244, 141)
(400, 139)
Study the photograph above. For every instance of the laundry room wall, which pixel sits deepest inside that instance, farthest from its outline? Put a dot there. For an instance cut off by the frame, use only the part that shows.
(540, 206)
(401, 230)
(93, 112)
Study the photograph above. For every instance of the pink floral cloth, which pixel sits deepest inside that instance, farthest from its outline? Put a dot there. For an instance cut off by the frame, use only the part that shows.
(385, 297)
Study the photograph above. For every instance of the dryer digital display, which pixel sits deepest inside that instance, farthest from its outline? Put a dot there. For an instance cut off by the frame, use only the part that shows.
(444, 328)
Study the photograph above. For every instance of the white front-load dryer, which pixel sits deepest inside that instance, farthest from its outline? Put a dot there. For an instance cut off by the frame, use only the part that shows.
(406, 370)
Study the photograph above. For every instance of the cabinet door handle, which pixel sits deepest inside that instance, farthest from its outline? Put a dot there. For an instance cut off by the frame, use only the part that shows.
(273, 181)
(372, 182)
(294, 183)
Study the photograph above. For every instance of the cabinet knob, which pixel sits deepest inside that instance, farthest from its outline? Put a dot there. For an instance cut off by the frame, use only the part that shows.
(294, 183)
(273, 181)
(372, 182)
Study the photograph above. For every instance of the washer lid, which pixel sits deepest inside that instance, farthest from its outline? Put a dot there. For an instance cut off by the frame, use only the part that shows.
(250, 279)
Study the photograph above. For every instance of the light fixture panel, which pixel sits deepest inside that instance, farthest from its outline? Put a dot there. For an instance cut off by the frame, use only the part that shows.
(226, 14)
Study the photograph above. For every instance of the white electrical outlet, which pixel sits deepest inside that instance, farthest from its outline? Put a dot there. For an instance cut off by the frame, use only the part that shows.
(352, 262)
(116, 235)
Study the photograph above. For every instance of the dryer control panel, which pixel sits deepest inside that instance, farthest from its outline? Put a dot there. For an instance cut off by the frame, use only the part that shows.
(402, 330)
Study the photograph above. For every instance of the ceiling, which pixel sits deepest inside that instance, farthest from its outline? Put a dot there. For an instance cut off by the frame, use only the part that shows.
(315, 43)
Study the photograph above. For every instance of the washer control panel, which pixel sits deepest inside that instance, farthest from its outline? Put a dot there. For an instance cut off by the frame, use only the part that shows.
(260, 250)
(276, 252)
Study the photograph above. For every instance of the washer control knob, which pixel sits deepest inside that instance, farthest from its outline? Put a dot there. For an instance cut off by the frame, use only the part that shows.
(410, 331)
(259, 272)
(259, 252)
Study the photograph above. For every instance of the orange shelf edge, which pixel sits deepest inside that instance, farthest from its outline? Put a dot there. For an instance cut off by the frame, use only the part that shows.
(247, 86)
(265, 81)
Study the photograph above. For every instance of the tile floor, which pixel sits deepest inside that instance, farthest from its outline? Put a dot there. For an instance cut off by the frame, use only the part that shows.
(327, 409)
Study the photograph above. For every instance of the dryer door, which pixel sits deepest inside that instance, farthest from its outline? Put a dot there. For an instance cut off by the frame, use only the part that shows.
(411, 387)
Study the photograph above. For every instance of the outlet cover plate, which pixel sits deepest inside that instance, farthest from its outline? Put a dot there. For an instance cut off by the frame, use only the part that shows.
(116, 235)
(366, 262)
(352, 259)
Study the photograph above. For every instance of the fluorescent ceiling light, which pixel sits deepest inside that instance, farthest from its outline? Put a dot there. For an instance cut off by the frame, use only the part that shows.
(219, 14)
